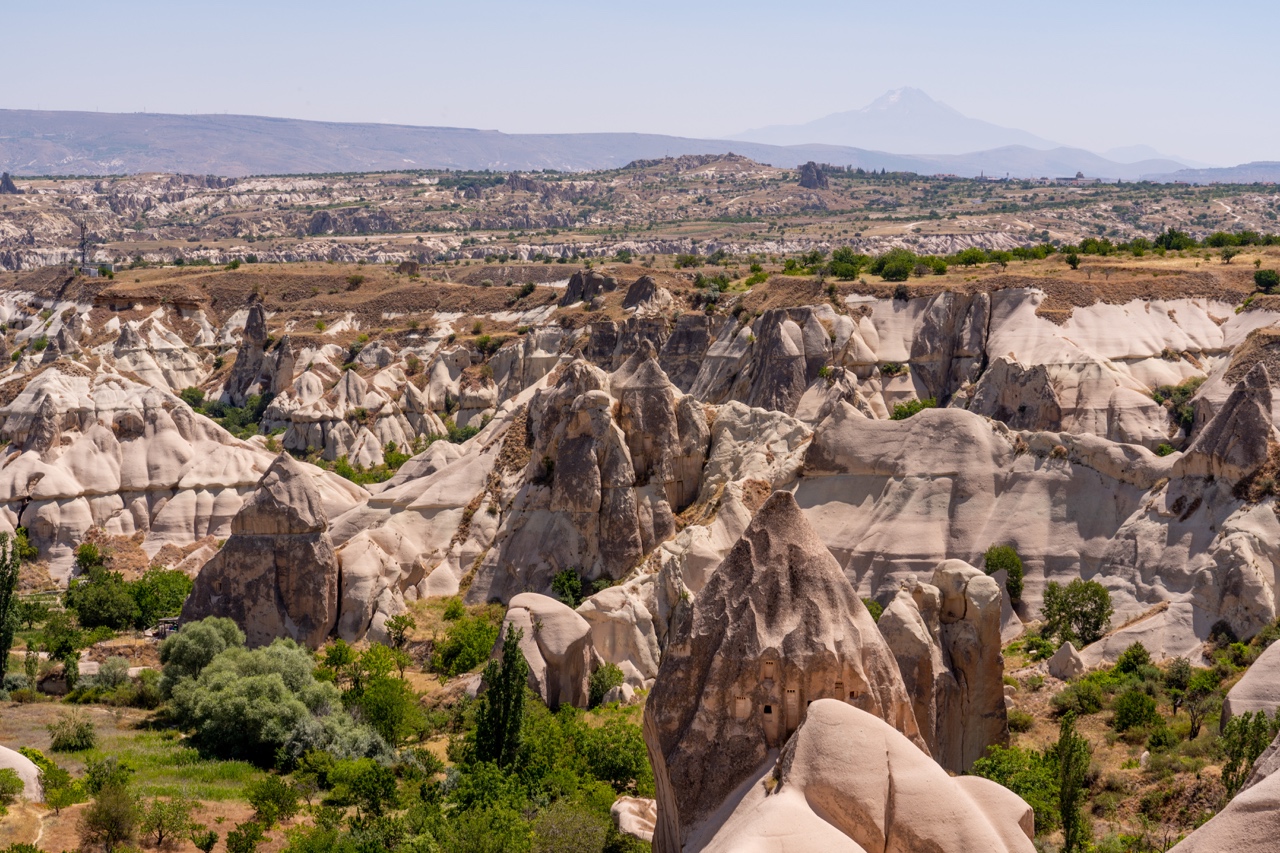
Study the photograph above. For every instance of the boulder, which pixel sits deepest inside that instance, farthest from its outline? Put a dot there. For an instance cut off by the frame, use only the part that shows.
(1258, 689)
(1066, 663)
(26, 770)
(777, 626)
(847, 782)
(277, 576)
(556, 643)
(622, 632)
(635, 816)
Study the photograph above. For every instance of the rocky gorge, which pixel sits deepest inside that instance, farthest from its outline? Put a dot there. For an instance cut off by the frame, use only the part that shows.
(733, 484)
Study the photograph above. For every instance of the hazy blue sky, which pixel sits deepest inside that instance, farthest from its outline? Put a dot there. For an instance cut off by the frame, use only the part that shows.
(1193, 79)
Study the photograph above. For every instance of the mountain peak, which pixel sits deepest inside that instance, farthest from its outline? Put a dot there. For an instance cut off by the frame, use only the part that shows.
(903, 120)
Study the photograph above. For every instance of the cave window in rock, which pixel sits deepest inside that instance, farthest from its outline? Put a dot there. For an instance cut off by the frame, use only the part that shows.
(769, 667)
(839, 690)
(770, 726)
(741, 707)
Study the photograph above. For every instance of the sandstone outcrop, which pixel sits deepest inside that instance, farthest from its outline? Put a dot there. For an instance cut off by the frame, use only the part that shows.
(946, 639)
(1258, 689)
(27, 771)
(587, 285)
(1066, 663)
(812, 177)
(776, 627)
(848, 781)
(635, 816)
(556, 643)
(277, 576)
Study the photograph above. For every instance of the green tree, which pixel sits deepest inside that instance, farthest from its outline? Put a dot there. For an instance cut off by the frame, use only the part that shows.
(1073, 260)
(894, 265)
(111, 820)
(466, 645)
(186, 653)
(273, 800)
(1200, 699)
(500, 710)
(166, 820)
(1132, 659)
(11, 787)
(62, 641)
(1266, 280)
(101, 599)
(606, 677)
(1005, 557)
(1244, 738)
(1073, 753)
(565, 827)
(58, 788)
(1079, 613)
(390, 707)
(246, 837)
(1029, 774)
(1134, 709)
(398, 629)
(971, 256)
(159, 594)
(9, 567)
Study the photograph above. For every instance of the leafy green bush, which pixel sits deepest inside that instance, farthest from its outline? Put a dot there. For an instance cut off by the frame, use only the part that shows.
(902, 411)
(72, 732)
(1038, 648)
(894, 265)
(266, 706)
(186, 653)
(1005, 557)
(466, 645)
(1020, 720)
(102, 599)
(1134, 709)
(875, 608)
(1266, 280)
(1177, 399)
(1079, 613)
(1133, 659)
(454, 609)
(1029, 774)
(1082, 698)
(567, 586)
(11, 787)
(606, 677)
(193, 397)
(273, 800)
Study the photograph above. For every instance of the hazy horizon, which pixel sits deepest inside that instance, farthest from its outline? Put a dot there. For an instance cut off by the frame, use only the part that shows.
(1093, 75)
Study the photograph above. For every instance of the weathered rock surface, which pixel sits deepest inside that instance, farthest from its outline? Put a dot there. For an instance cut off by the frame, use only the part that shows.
(1066, 663)
(848, 781)
(946, 639)
(1258, 689)
(556, 643)
(635, 816)
(776, 627)
(277, 576)
(812, 177)
(27, 771)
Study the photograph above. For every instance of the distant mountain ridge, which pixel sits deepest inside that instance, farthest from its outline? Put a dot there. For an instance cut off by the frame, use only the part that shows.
(1258, 172)
(905, 120)
(82, 143)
